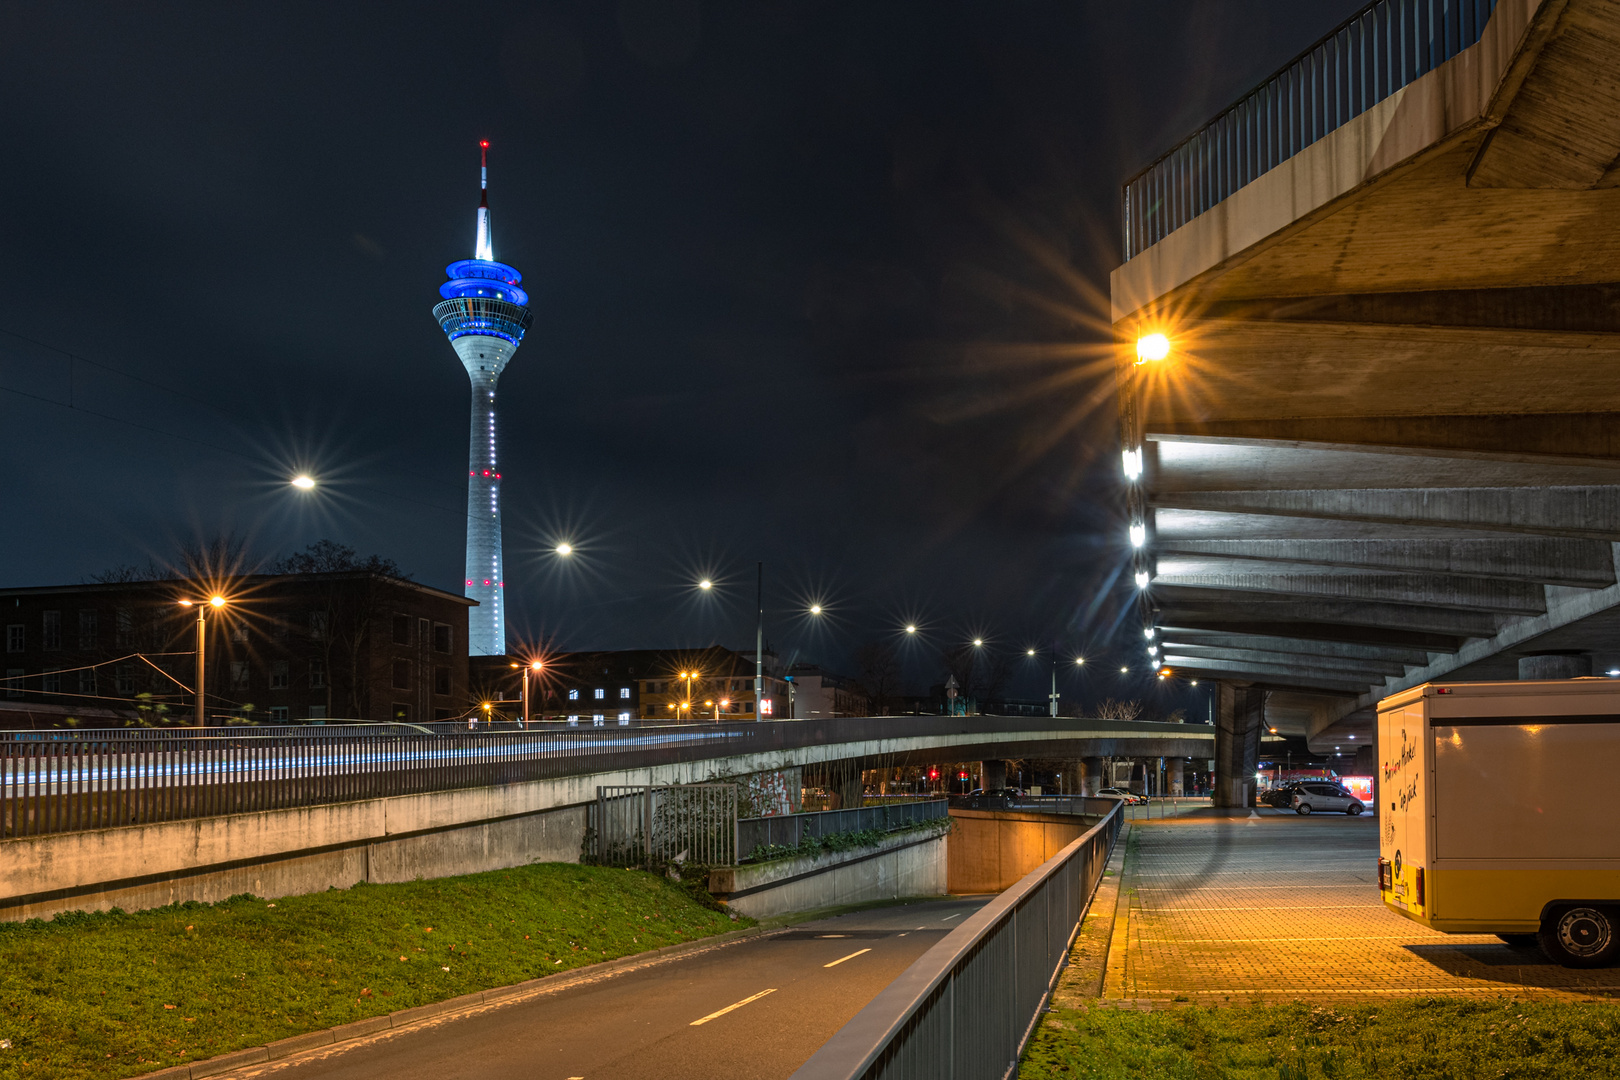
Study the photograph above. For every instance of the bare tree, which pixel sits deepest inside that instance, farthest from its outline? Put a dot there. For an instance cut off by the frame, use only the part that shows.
(1119, 710)
(879, 679)
(329, 557)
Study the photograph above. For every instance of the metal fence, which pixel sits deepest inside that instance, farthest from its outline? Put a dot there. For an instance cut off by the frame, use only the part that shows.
(1043, 804)
(966, 1008)
(790, 830)
(93, 779)
(1385, 46)
(656, 825)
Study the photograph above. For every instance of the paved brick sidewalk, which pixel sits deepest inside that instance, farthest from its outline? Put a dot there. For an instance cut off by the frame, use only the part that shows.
(1277, 906)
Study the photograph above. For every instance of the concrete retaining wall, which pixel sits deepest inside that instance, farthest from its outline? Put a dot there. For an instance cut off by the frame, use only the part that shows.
(907, 864)
(989, 850)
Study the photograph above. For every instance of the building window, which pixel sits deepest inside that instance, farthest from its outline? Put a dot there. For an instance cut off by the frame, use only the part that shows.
(402, 674)
(573, 695)
(624, 718)
(51, 683)
(573, 721)
(317, 626)
(124, 678)
(441, 638)
(600, 693)
(441, 680)
(402, 629)
(123, 627)
(87, 681)
(624, 693)
(596, 721)
(239, 674)
(278, 714)
(279, 675)
(317, 712)
(87, 629)
(14, 682)
(14, 638)
(52, 638)
(402, 712)
(317, 674)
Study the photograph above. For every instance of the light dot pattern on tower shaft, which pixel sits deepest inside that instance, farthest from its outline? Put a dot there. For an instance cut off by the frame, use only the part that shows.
(484, 314)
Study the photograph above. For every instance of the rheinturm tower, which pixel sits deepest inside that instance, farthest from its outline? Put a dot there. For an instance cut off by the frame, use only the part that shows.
(484, 314)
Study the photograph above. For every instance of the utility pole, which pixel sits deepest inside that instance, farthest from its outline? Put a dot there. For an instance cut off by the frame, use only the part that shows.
(1054, 698)
(759, 645)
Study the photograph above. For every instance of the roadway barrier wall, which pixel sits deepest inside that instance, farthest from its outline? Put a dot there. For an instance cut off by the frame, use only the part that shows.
(905, 864)
(990, 850)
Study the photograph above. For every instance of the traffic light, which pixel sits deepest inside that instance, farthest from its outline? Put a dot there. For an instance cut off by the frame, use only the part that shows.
(933, 774)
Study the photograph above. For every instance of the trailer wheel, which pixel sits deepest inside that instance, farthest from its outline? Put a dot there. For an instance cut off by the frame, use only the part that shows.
(1580, 937)
(1303, 809)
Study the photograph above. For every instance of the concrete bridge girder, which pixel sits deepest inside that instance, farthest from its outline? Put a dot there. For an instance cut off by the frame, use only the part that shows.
(1299, 647)
(1431, 590)
(1350, 668)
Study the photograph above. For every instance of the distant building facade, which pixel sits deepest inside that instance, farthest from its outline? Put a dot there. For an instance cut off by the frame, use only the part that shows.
(818, 694)
(637, 684)
(352, 645)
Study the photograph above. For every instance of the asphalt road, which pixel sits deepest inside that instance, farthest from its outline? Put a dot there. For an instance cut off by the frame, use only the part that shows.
(756, 1009)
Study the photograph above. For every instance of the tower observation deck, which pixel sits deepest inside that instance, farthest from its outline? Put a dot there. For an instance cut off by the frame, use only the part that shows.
(484, 314)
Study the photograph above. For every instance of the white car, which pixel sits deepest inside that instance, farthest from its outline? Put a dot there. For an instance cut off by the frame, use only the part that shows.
(1311, 797)
(1131, 798)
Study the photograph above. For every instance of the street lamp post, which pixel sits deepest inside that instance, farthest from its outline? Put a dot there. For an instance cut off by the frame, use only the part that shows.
(215, 601)
(534, 665)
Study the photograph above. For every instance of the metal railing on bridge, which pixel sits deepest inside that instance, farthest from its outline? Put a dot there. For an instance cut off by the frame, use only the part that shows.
(1385, 46)
(95, 779)
(791, 830)
(655, 825)
(966, 1008)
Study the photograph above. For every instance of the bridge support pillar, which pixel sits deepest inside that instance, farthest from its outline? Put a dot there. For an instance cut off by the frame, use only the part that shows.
(992, 774)
(1175, 772)
(1091, 775)
(1240, 717)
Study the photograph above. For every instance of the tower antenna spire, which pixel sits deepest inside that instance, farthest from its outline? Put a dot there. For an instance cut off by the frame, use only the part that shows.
(484, 246)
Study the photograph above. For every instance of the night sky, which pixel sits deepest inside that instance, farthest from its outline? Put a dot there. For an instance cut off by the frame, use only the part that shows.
(816, 283)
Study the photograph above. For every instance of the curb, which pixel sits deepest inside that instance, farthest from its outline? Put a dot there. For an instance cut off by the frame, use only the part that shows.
(1115, 966)
(403, 1018)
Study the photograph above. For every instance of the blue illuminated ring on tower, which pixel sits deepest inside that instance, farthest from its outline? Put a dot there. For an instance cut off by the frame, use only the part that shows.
(477, 315)
(483, 277)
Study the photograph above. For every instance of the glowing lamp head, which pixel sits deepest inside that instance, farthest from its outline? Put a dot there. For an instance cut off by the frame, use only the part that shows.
(1079, 661)
(1138, 535)
(565, 550)
(1141, 579)
(705, 584)
(911, 628)
(303, 482)
(1031, 652)
(815, 609)
(1152, 347)
(487, 706)
(1148, 632)
(1132, 462)
(216, 600)
(537, 665)
(1123, 670)
(978, 641)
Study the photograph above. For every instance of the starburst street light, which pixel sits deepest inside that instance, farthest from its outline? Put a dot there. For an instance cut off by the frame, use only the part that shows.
(1149, 632)
(565, 549)
(1079, 661)
(705, 584)
(911, 628)
(303, 482)
(815, 609)
(977, 642)
(1141, 579)
(1152, 347)
(1031, 652)
(216, 601)
(1138, 535)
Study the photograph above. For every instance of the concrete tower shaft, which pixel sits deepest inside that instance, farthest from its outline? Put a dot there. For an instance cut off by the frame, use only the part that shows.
(484, 314)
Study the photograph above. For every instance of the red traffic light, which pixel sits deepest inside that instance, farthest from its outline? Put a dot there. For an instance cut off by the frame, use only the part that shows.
(933, 774)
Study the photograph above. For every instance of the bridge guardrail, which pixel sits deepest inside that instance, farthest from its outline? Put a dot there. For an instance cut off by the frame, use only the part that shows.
(790, 830)
(967, 1007)
(1382, 48)
(104, 779)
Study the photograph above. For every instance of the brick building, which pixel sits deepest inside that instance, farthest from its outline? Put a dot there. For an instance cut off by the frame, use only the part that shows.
(354, 645)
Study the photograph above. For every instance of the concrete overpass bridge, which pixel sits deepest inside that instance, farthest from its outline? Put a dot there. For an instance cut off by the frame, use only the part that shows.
(93, 820)
(1382, 448)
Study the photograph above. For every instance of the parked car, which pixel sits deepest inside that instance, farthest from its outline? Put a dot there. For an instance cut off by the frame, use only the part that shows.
(1311, 797)
(1130, 798)
(1280, 797)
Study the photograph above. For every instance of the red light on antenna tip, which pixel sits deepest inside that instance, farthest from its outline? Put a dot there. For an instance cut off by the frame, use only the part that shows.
(484, 143)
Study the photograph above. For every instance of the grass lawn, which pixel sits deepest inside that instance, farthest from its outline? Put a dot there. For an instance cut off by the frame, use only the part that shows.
(1408, 1039)
(114, 994)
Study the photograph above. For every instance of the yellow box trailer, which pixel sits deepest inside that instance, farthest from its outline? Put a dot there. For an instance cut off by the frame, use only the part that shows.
(1499, 812)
